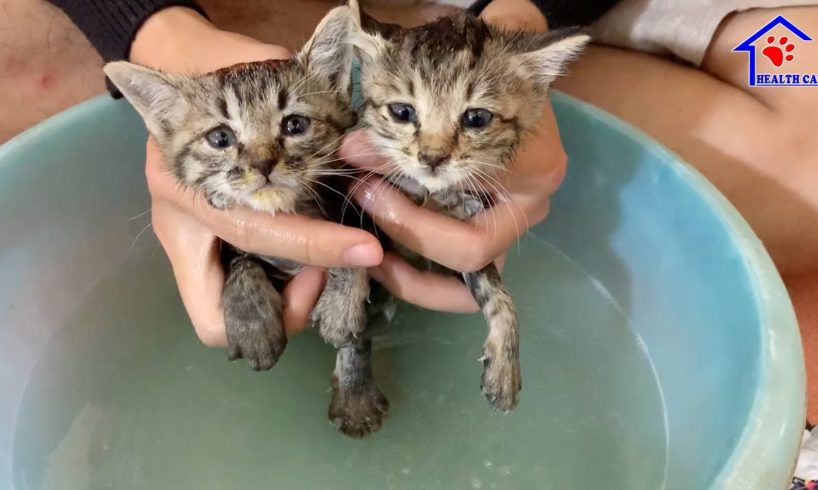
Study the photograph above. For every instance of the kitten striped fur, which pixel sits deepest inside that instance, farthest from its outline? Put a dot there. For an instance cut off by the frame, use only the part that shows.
(264, 135)
(474, 92)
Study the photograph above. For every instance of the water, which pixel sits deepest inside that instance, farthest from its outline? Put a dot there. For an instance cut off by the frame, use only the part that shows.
(126, 398)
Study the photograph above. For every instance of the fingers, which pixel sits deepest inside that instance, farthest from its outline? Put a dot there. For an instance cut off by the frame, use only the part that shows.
(515, 14)
(539, 165)
(300, 297)
(459, 245)
(425, 289)
(289, 236)
(305, 240)
(357, 151)
(194, 255)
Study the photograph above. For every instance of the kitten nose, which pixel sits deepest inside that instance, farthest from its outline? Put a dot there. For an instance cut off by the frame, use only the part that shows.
(264, 166)
(433, 160)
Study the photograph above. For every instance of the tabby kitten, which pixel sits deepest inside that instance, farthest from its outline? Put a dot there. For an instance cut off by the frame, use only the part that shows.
(261, 135)
(448, 104)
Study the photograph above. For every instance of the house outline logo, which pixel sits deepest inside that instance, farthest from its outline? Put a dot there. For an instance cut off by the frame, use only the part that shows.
(775, 80)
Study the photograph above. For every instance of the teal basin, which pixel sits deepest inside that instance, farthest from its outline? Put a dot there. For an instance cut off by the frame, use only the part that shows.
(659, 346)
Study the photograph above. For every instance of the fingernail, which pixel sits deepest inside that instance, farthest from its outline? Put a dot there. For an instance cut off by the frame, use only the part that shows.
(363, 255)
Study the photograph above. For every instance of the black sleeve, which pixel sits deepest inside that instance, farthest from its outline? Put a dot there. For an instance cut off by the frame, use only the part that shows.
(111, 25)
(563, 13)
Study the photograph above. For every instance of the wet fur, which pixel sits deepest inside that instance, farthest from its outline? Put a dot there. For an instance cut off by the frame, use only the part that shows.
(443, 68)
(252, 100)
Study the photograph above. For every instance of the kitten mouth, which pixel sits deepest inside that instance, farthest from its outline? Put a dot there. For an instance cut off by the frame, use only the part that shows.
(265, 191)
(433, 180)
(274, 183)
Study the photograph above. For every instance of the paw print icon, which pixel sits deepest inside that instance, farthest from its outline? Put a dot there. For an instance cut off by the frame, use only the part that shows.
(772, 48)
(779, 50)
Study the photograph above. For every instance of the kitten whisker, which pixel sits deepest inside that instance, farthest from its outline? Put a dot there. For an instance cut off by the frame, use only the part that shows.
(507, 198)
(326, 146)
(491, 165)
(351, 156)
(139, 235)
(314, 193)
(471, 179)
(360, 182)
(345, 197)
(143, 213)
(317, 93)
(391, 179)
(302, 82)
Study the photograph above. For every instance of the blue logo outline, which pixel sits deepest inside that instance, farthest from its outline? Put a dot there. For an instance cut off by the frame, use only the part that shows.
(748, 47)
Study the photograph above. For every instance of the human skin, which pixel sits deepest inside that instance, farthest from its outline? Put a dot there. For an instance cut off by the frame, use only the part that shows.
(755, 146)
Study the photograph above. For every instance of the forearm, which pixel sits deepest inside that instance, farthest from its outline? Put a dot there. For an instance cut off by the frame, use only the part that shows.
(111, 25)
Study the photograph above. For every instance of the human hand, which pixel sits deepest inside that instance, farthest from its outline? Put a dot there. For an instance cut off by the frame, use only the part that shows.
(537, 171)
(179, 40)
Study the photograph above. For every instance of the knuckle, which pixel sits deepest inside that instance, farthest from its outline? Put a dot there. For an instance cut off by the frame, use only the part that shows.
(477, 255)
(398, 289)
(541, 213)
(154, 171)
(407, 295)
(209, 335)
(153, 176)
(280, 53)
(309, 253)
(559, 169)
(552, 172)
(158, 225)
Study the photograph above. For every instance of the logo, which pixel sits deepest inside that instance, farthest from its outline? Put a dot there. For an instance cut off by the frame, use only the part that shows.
(772, 49)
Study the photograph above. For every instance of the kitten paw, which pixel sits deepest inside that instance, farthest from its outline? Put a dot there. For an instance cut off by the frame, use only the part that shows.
(252, 315)
(501, 381)
(260, 342)
(358, 412)
(219, 201)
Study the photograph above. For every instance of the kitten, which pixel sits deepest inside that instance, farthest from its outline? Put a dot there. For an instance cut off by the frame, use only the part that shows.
(448, 104)
(261, 135)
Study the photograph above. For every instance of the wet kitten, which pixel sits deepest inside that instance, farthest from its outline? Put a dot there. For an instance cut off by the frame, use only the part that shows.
(261, 135)
(448, 103)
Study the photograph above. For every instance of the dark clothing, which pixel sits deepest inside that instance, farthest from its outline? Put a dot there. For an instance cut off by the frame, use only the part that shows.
(111, 25)
(563, 13)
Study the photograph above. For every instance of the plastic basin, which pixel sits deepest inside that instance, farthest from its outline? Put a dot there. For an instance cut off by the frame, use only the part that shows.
(659, 346)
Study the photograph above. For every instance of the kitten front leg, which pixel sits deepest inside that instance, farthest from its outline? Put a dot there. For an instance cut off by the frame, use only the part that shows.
(219, 200)
(358, 407)
(501, 381)
(252, 315)
(341, 310)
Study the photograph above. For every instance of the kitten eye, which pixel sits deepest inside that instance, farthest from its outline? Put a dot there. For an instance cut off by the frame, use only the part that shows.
(402, 112)
(221, 138)
(477, 118)
(295, 125)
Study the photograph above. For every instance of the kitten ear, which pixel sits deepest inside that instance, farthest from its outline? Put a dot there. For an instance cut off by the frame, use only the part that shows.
(329, 52)
(546, 56)
(154, 95)
(367, 45)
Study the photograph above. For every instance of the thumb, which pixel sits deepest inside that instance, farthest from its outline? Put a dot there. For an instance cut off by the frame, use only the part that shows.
(357, 151)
